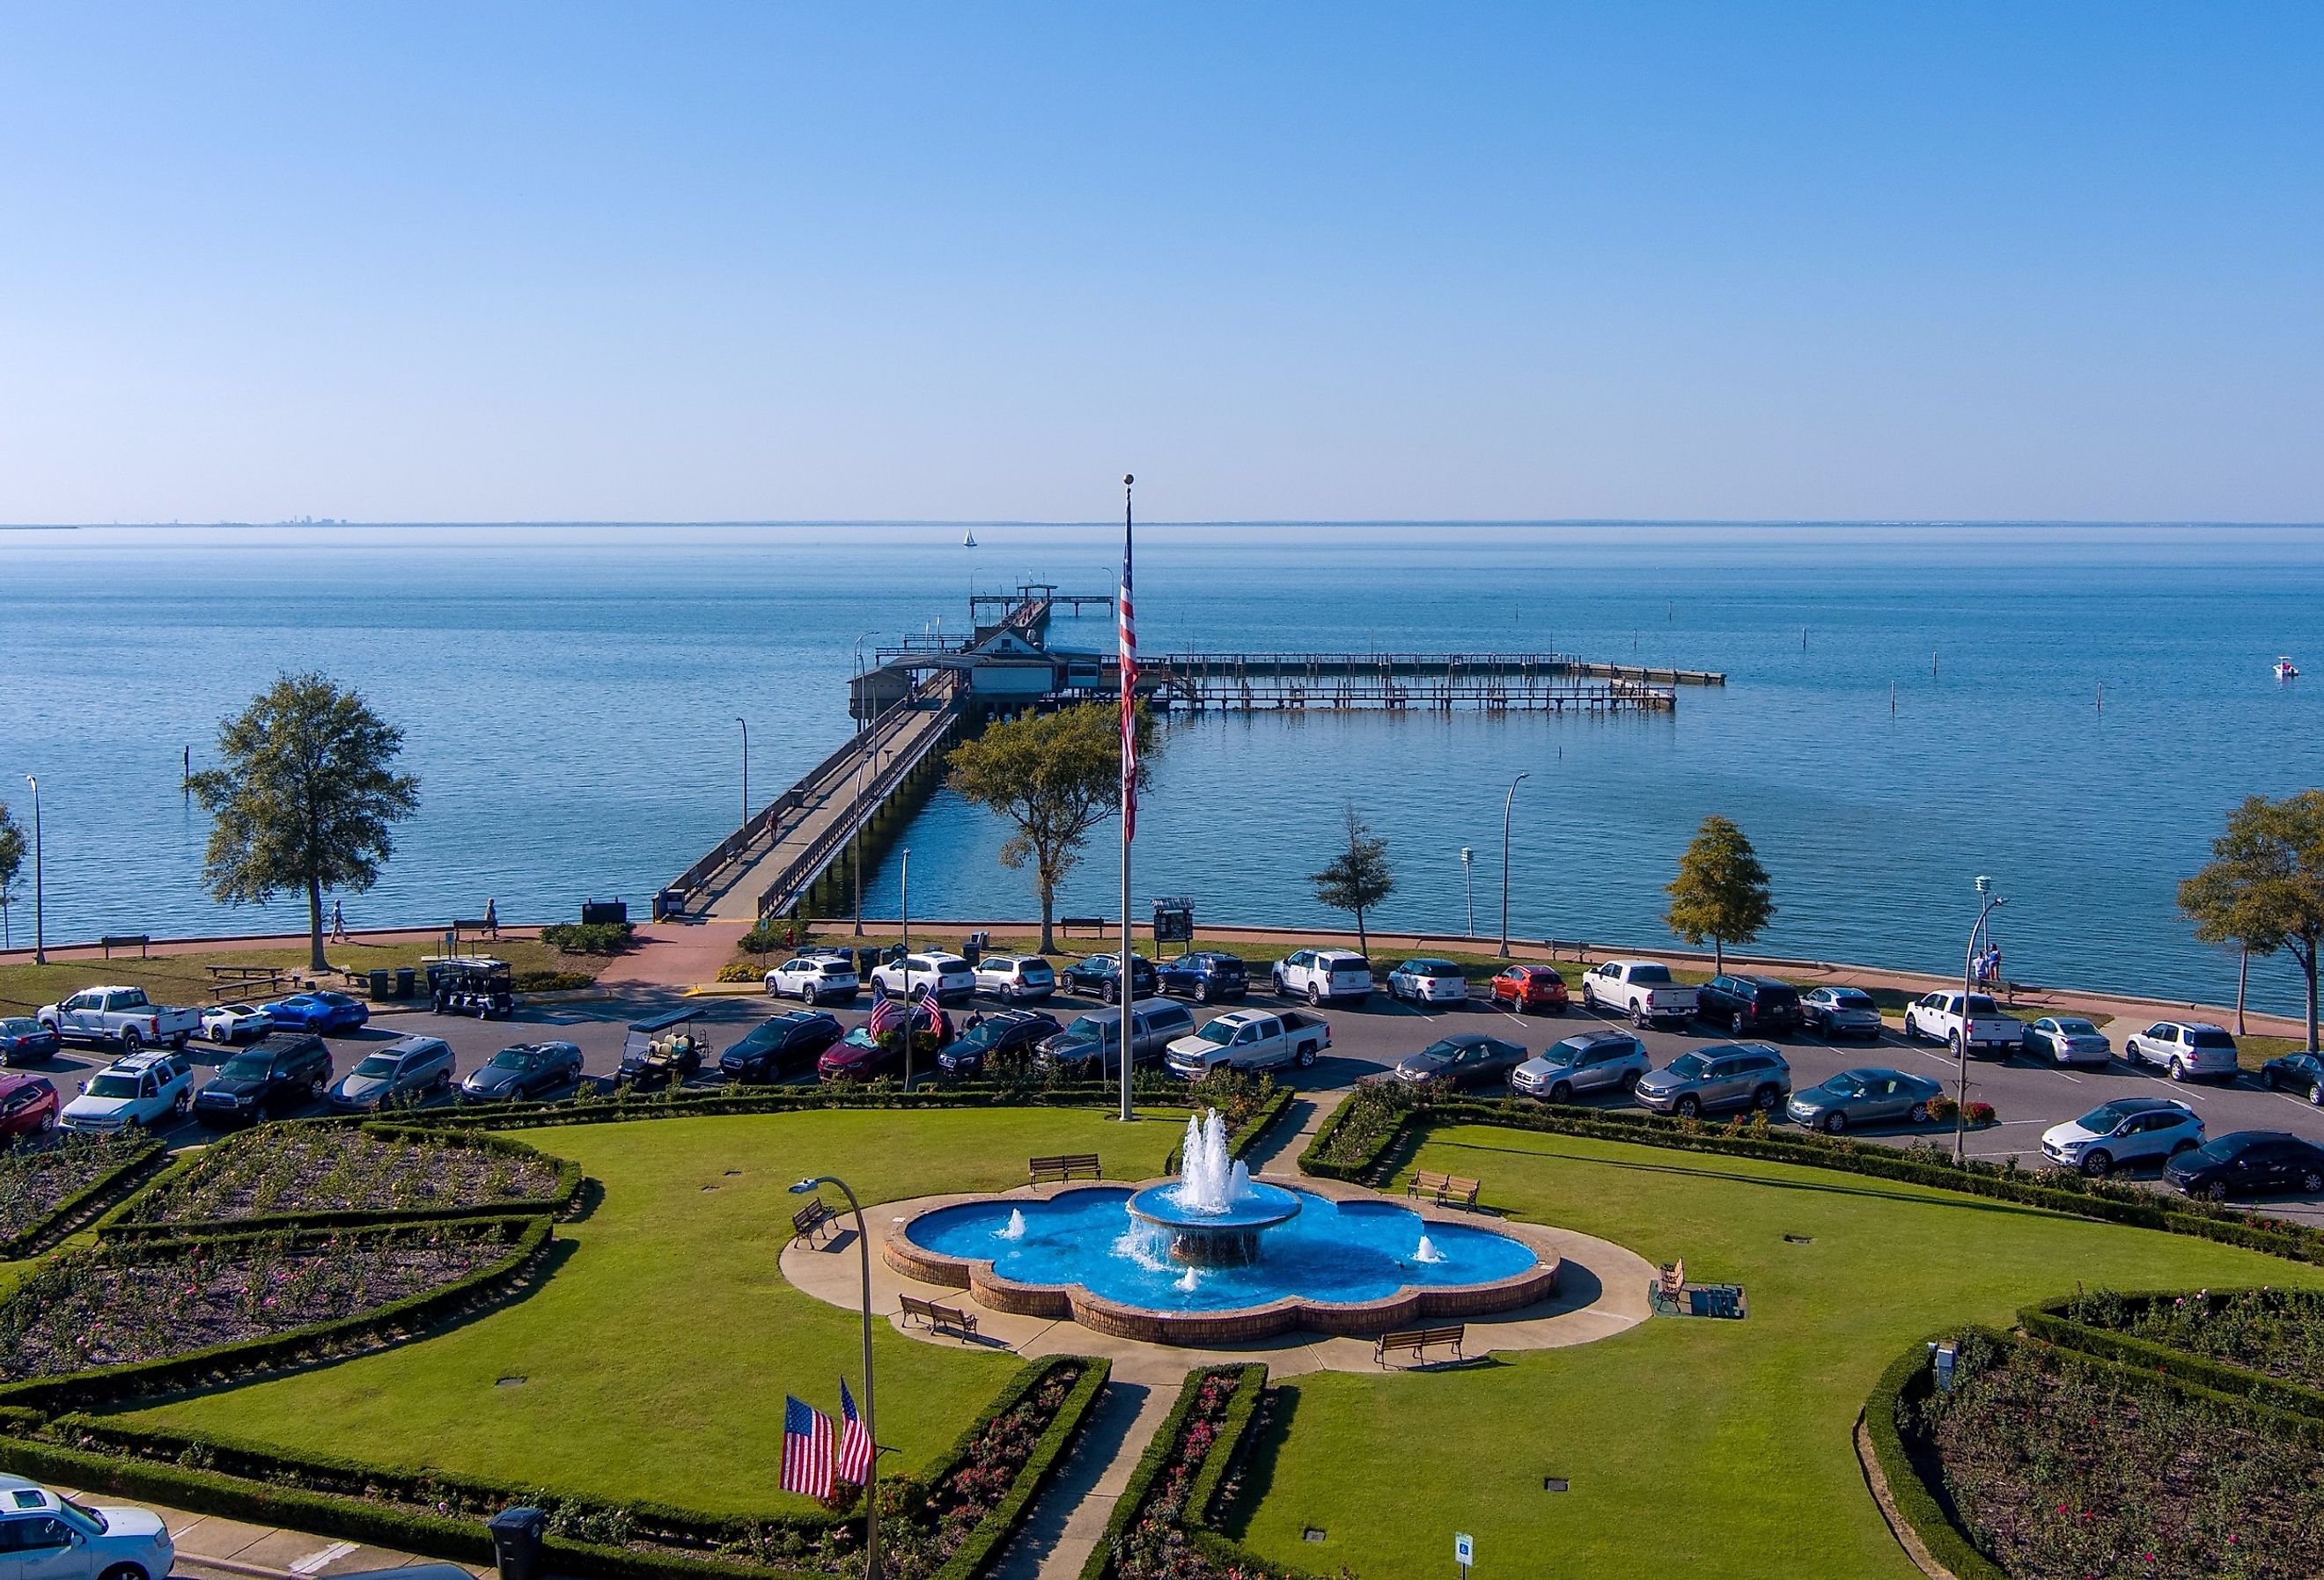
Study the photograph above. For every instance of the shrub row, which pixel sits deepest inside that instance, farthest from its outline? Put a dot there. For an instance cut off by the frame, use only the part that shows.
(588, 938)
(99, 1387)
(1902, 1387)
(2051, 1322)
(1139, 1488)
(681, 1103)
(2060, 1192)
(992, 1532)
(126, 1222)
(40, 1233)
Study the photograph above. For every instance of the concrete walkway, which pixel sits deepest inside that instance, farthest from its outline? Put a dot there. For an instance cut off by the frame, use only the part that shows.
(1068, 1519)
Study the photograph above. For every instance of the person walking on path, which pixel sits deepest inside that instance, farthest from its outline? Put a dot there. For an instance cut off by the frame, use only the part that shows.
(338, 924)
(492, 920)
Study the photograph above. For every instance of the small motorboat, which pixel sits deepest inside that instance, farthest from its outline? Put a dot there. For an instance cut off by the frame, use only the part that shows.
(969, 540)
(2285, 670)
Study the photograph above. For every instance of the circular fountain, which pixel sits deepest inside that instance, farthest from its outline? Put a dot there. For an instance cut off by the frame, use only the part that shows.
(1213, 1216)
(1215, 1256)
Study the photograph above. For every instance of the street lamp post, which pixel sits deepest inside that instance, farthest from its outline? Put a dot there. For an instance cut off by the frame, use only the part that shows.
(1508, 802)
(855, 861)
(746, 769)
(904, 904)
(1961, 1038)
(40, 933)
(1469, 887)
(871, 1411)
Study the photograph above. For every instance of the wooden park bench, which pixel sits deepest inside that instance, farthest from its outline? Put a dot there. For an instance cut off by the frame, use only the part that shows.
(1065, 1166)
(811, 1221)
(1443, 1187)
(1416, 1340)
(938, 1318)
(238, 982)
(112, 941)
(1670, 1287)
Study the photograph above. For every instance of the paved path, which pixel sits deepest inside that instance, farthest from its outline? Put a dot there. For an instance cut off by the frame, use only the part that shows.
(1068, 1519)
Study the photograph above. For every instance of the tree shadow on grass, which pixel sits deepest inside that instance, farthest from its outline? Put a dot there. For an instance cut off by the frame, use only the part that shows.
(1958, 1201)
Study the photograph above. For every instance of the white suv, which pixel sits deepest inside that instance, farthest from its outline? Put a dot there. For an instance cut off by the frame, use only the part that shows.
(1017, 979)
(947, 975)
(1320, 976)
(813, 980)
(140, 1092)
(58, 1539)
(1429, 982)
(2128, 1129)
(2184, 1049)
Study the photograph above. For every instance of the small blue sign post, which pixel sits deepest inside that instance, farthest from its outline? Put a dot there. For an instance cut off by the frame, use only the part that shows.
(1465, 1553)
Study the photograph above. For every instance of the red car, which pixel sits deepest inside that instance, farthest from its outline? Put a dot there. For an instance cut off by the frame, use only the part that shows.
(28, 1105)
(1524, 988)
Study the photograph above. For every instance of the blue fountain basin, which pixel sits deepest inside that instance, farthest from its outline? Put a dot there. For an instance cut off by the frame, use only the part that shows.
(1262, 1207)
(1328, 1251)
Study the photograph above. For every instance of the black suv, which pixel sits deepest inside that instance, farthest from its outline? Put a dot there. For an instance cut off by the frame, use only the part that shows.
(778, 1043)
(1098, 976)
(272, 1076)
(1207, 976)
(1748, 1003)
(1004, 1036)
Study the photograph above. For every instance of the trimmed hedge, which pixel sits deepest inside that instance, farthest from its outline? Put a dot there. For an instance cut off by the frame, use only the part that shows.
(681, 1103)
(983, 1544)
(1907, 1382)
(1246, 1135)
(2049, 1322)
(120, 1225)
(2068, 1194)
(40, 1231)
(103, 1385)
(1099, 1565)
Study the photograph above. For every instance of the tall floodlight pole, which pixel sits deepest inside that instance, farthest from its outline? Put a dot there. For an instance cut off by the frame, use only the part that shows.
(40, 900)
(1961, 1038)
(1469, 887)
(870, 1414)
(1127, 663)
(1506, 804)
(746, 770)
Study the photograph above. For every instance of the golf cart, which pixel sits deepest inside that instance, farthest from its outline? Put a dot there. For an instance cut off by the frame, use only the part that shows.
(662, 1050)
(471, 985)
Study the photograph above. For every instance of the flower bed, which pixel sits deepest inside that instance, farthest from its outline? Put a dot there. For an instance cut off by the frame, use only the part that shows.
(111, 1306)
(2278, 1331)
(326, 1172)
(38, 1182)
(2060, 1466)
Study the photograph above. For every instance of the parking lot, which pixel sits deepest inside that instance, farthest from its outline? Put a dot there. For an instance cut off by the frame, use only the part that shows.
(2029, 1096)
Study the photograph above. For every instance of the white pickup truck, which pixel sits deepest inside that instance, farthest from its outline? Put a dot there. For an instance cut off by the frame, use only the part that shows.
(1248, 1039)
(1937, 1017)
(123, 1016)
(1643, 990)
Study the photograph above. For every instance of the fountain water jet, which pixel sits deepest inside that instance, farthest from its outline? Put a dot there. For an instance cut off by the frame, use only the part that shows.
(1214, 1213)
(1427, 1255)
(1015, 1228)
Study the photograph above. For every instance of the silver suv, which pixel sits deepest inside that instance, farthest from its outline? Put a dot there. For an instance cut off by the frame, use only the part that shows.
(1592, 1061)
(1725, 1074)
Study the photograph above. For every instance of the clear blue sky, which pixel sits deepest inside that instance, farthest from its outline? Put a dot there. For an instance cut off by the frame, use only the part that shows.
(427, 262)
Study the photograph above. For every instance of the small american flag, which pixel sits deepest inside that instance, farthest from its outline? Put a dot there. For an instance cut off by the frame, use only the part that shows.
(1129, 683)
(854, 1441)
(807, 1449)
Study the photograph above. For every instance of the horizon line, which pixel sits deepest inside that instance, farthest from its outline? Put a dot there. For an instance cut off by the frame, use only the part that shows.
(1971, 521)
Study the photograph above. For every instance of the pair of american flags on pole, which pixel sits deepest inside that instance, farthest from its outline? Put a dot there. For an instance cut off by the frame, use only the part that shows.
(809, 1465)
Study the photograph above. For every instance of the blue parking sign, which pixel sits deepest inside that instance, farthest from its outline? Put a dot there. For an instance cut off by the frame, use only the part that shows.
(1464, 1552)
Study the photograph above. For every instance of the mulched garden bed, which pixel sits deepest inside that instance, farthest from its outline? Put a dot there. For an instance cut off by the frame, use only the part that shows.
(105, 1307)
(2280, 1332)
(278, 1170)
(2064, 1469)
(34, 1179)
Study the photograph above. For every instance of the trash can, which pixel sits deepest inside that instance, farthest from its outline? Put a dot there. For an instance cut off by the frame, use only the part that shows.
(669, 902)
(407, 981)
(972, 950)
(517, 1535)
(379, 980)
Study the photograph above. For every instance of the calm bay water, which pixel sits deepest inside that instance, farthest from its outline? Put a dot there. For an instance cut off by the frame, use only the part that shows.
(569, 697)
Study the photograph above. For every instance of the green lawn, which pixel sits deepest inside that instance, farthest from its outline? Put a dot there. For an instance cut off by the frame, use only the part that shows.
(1692, 1447)
(657, 1356)
(185, 979)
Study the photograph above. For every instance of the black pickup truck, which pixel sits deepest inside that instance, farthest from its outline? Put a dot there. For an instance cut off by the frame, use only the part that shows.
(270, 1076)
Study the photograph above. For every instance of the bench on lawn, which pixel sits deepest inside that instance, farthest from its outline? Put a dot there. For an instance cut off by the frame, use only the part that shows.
(1671, 1285)
(248, 982)
(1094, 924)
(1063, 1166)
(938, 1318)
(1416, 1340)
(1443, 1187)
(112, 941)
(810, 1221)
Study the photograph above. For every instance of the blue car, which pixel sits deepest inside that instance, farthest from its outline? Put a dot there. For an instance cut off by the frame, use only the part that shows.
(1205, 976)
(320, 1012)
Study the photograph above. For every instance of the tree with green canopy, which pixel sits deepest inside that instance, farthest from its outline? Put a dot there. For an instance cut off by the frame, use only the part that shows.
(1054, 777)
(1359, 877)
(302, 798)
(2264, 886)
(1720, 891)
(12, 861)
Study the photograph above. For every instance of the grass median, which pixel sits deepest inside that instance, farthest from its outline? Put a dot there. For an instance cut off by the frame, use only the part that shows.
(185, 979)
(1692, 1445)
(655, 1358)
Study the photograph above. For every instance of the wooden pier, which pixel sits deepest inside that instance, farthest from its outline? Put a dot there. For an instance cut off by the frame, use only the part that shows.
(1400, 682)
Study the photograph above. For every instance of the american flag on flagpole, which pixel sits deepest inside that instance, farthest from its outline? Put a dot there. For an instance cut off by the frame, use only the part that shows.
(807, 1449)
(854, 1441)
(1129, 689)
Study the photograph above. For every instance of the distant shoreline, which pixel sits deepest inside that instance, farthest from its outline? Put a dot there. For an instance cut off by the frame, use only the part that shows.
(1883, 523)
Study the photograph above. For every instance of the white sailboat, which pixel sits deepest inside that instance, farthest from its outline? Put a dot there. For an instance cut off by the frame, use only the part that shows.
(2285, 670)
(969, 540)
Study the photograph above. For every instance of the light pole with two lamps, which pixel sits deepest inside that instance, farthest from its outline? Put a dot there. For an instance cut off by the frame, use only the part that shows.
(738, 719)
(40, 934)
(1960, 1037)
(1469, 887)
(1506, 805)
(871, 1426)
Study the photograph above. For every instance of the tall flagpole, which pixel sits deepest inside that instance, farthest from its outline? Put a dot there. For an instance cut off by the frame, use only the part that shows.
(1127, 663)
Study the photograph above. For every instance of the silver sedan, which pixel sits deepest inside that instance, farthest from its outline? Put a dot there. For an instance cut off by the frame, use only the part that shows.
(2068, 1040)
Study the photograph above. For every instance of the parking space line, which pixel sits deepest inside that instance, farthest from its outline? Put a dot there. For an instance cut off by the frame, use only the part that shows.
(321, 1557)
